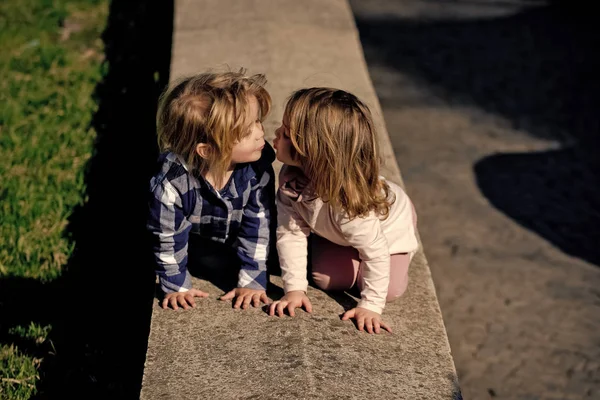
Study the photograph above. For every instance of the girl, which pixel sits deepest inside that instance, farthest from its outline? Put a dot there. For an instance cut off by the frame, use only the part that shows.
(215, 182)
(364, 227)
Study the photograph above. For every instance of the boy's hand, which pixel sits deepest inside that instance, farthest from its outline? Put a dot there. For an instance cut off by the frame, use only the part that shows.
(185, 299)
(244, 297)
(292, 300)
(366, 319)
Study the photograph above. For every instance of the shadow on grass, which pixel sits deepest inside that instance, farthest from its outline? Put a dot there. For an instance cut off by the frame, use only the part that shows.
(100, 308)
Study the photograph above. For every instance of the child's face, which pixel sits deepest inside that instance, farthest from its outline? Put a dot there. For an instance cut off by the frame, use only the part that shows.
(283, 144)
(249, 149)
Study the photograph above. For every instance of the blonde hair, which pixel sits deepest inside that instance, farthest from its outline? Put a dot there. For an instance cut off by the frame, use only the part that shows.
(334, 138)
(210, 108)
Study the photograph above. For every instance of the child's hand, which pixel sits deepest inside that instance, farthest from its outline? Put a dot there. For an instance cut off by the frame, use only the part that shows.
(245, 296)
(185, 299)
(292, 300)
(366, 319)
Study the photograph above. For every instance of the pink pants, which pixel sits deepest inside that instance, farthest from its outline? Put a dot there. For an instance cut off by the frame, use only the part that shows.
(336, 267)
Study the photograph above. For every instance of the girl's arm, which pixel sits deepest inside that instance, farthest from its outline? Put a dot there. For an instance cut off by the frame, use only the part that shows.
(366, 236)
(292, 245)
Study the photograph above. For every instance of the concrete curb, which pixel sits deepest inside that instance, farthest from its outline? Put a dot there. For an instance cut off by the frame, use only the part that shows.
(216, 352)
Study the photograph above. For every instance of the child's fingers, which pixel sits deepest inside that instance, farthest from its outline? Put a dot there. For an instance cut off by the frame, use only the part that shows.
(376, 327)
(165, 302)
(369, 325)
(386, 327)
(183, 302)
(173, 302)
(348, 314)
(256, 300)
(265, 299)
(307, 304)
(291, 309)
(280, 308)
(360, 322)
(246, 302)
(238, 302)
(227, 296)
(200, 293)
(190, 299)
(272, 308)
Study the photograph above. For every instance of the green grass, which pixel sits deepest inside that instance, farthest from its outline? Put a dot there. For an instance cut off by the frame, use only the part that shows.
(19, 373)
(52, 60)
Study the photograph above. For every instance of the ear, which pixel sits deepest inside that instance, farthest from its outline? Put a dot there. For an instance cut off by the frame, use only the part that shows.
(204, 150)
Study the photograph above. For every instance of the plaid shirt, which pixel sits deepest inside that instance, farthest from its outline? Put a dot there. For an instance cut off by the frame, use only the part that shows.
(183, 203)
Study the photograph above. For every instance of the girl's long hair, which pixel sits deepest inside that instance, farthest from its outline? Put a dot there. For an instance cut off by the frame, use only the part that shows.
(334, 139)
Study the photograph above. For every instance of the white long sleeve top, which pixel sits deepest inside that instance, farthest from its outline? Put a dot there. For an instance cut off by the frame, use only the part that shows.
(299, 212)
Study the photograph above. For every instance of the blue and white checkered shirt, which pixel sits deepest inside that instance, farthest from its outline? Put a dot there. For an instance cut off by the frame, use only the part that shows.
(183, 203)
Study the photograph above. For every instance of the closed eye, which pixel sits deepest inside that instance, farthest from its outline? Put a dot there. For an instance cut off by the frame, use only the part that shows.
(286, 131)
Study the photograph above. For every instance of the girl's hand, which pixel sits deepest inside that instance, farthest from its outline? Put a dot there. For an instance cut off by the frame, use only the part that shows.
(292, 300)
(244, 297)
(184, 299)
(366, 319)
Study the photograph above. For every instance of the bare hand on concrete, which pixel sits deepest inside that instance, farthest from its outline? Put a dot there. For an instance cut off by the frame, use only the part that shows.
(291, 301)
(245, 297)
(184, 299)
(366, 319)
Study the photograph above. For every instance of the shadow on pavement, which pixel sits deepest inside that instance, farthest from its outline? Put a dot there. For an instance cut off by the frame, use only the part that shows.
(100, 308)
(537, 68)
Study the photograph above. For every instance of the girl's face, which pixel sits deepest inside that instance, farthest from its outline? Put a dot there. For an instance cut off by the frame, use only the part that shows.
(249, 149)
(283, 144)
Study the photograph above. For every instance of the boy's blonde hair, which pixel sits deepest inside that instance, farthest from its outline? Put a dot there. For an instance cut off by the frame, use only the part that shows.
(211, 108)
(334, 138)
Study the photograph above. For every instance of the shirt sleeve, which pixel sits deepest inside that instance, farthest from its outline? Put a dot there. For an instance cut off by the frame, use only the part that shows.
(169, 229)
(292, 245)
(255, 234)
(366, 236)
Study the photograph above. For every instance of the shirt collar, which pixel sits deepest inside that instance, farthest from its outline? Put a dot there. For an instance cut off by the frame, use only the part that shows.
(294, 184)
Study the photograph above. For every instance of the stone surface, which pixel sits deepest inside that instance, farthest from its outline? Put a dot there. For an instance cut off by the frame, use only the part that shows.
(214, 351)
(217, 352)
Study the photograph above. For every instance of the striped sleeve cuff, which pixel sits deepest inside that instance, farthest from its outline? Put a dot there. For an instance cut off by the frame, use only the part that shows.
(252, 279)
(181, 282)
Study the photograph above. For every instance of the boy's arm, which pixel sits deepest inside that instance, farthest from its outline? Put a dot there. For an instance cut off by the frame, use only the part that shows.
(254, 237)
(169, 228)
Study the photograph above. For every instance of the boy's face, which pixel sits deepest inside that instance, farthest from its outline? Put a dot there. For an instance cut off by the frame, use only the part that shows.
(249, 149)
(283, 144)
